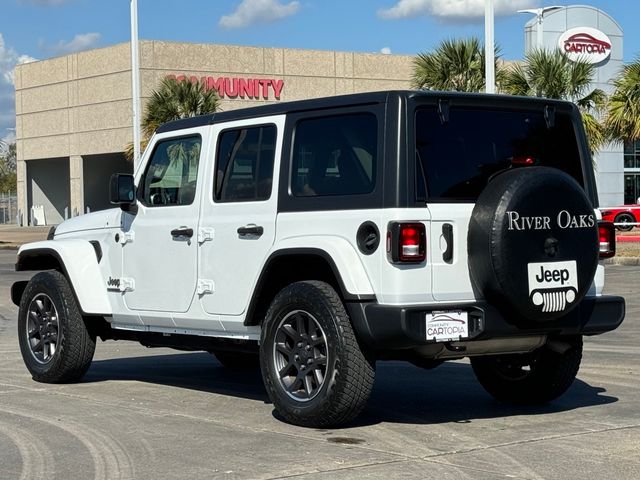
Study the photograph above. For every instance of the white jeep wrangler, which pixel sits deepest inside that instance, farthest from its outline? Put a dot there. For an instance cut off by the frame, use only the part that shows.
(322, 235)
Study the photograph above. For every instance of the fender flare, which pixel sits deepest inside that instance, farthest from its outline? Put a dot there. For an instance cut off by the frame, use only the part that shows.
(339, 253)
(347, 269)
(78, 260)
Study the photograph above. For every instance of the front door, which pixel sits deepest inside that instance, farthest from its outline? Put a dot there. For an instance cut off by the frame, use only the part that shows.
(160, 239)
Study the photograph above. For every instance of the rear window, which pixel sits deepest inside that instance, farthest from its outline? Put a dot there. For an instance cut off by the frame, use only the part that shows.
(455, 159)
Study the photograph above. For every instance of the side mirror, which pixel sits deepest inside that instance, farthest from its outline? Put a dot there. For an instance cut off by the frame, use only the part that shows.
(122, 190)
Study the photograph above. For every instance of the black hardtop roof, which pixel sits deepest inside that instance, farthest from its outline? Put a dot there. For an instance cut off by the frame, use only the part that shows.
(355, 99)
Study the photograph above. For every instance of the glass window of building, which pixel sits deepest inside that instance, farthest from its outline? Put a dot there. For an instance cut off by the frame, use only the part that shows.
(632, 172)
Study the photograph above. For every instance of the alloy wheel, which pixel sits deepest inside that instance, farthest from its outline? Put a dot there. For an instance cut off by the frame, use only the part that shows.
(300, 355)
(42, 328)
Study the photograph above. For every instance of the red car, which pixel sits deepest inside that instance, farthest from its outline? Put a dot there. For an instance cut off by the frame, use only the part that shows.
(624, 217)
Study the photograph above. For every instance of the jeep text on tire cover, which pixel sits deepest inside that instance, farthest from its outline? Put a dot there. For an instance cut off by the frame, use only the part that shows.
(311, 238)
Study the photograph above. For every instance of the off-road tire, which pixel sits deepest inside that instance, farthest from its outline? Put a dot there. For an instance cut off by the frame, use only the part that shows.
(75, 345)
(349, 376)
(550, 375)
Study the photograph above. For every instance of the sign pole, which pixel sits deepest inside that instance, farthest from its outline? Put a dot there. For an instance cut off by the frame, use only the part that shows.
(135, 84)
(489, 50)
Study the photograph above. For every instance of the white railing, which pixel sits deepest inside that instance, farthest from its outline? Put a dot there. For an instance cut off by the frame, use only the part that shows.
(626, 224)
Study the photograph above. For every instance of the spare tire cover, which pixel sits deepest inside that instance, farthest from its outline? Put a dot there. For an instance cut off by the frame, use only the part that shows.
(533, 244)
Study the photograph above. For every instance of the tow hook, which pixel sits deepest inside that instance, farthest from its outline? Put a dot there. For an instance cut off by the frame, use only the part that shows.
(455, 348)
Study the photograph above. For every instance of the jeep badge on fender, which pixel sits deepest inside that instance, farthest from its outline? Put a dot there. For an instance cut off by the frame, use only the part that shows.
(312, 239)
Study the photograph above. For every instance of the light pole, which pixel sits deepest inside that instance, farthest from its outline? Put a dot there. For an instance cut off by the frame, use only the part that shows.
(539, 13)
(489, 49)
(135, 83)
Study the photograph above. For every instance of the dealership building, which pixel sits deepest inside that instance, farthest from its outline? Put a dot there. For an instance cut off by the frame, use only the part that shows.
(74, 115)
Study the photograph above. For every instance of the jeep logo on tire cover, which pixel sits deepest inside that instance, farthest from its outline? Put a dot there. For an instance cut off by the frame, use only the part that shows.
(553, 285)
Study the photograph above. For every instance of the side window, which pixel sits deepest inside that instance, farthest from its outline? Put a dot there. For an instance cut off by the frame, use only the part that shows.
(335, 155)
(244, 164)
(172, 173)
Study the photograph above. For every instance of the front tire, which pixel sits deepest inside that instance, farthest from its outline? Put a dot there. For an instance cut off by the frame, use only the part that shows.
(54, 341)
(530, 379)
(313, 369)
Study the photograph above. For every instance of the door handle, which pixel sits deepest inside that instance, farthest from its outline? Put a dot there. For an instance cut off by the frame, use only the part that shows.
(182, 232)
(251, 229)
(447, 233)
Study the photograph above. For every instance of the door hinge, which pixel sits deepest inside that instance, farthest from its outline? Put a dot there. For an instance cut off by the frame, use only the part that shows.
(205, 235)
(126, 237)
(127, 284)
(204, 286)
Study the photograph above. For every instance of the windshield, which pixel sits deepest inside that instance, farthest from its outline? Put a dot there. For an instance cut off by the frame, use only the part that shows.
(457, 157)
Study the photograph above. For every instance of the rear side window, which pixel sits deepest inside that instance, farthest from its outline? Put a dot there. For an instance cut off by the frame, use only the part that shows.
(335, 155)
(244, 165)
(456, 159)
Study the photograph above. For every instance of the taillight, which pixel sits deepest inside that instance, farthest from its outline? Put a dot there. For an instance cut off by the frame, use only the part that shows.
(607, 239)
(407, 242)
(524, 161)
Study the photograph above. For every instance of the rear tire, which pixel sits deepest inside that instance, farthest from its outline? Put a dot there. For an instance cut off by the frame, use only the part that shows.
(54, 341)
(529, 379)
(624, 218)
(313, 368)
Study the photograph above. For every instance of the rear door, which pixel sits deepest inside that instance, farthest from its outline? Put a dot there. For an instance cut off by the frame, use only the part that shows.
(436, 170)
(237, 227)
(461, 148)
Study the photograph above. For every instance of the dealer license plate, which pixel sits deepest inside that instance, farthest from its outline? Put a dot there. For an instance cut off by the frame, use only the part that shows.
(446, 326)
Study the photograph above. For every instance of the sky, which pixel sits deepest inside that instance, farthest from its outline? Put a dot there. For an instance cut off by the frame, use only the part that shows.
(39, 29)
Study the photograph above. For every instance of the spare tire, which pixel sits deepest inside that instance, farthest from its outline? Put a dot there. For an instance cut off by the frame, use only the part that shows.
(533, 244)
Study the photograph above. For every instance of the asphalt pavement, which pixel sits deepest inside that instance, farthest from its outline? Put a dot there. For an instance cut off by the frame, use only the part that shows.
(156, 413)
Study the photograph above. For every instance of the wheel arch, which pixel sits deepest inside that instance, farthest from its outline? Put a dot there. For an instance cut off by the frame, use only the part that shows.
(289, 265)
(77, 260)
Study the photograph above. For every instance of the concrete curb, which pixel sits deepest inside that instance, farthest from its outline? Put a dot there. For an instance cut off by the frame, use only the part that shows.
(635, 261)
(628, 238)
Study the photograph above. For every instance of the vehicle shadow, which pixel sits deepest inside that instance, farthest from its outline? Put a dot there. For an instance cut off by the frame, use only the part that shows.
(193, 371)
(402, 393)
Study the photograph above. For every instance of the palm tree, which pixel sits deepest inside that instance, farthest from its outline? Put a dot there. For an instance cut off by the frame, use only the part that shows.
(456, 64)
(174, 99)
(623, 110)
(550, 74)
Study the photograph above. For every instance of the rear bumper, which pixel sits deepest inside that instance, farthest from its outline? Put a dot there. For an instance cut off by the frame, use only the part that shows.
(393, 327)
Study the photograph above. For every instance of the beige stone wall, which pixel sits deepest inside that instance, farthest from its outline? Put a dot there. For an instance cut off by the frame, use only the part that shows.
(80, 104)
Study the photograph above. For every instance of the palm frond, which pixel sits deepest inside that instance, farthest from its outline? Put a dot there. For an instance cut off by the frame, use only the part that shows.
(172, 100)
(623, 110)
(515, 81)
(596, 137)
(456, 64)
